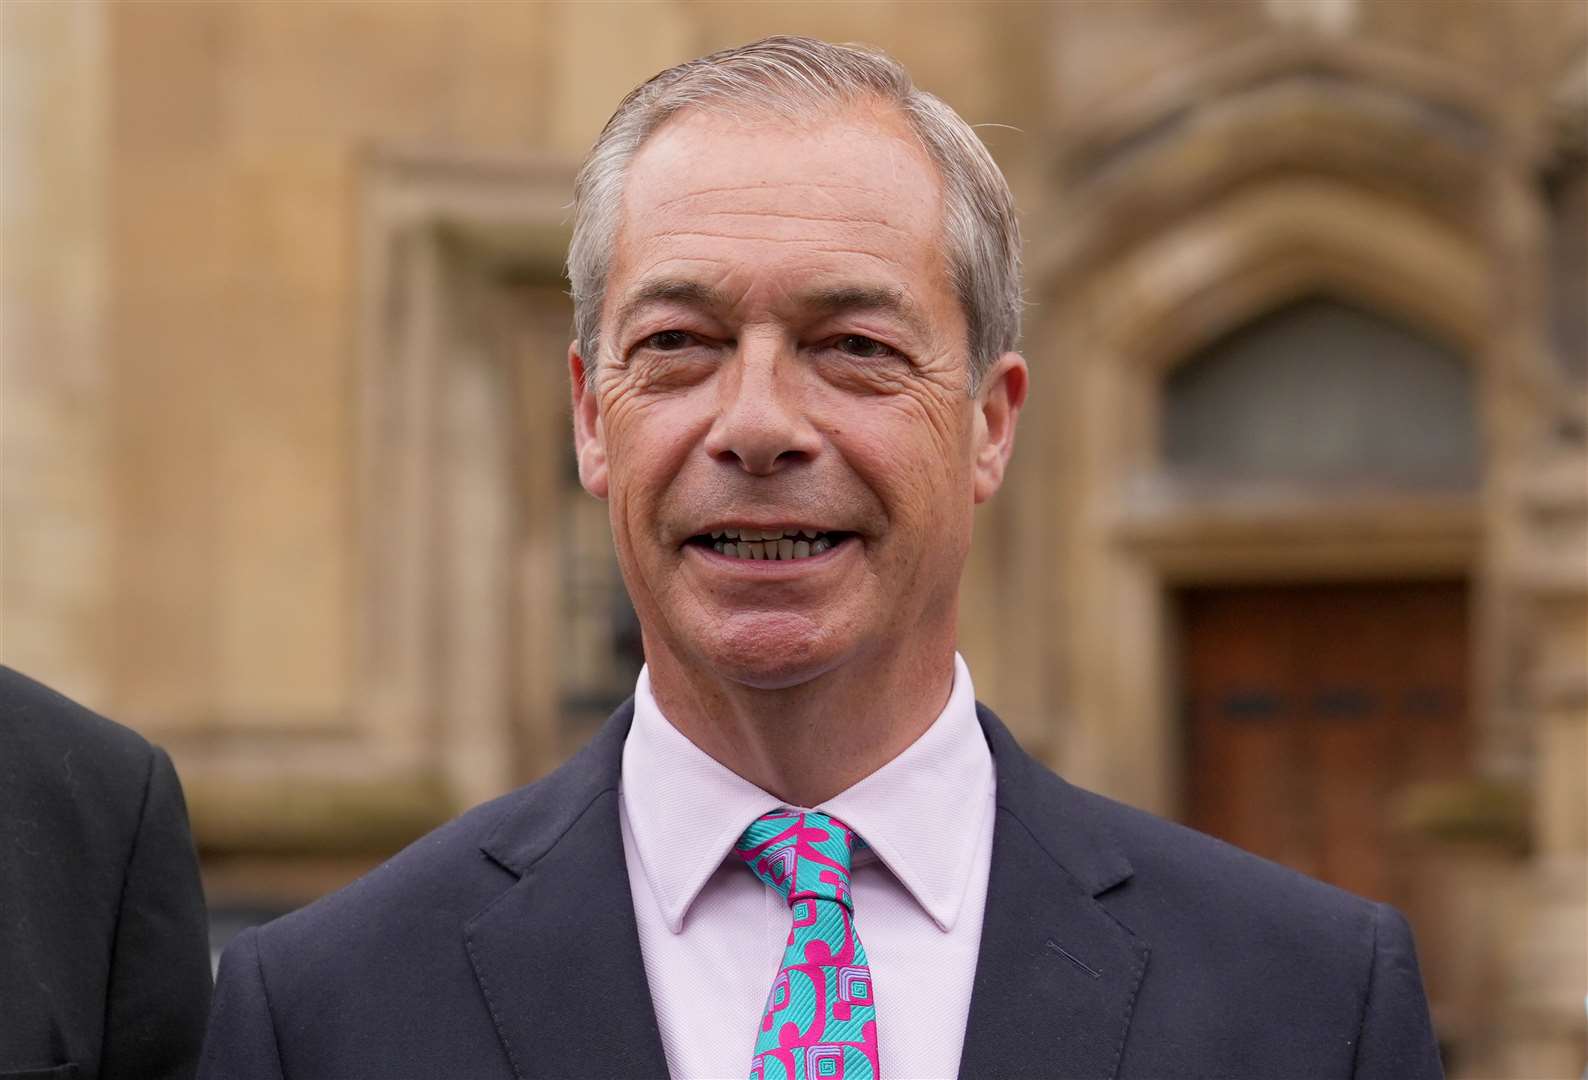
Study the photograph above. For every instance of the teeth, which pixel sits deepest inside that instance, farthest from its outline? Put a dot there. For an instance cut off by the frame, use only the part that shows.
(751, 536)
(781, 544)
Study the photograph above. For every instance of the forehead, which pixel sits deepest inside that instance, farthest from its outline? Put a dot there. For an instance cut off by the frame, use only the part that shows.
(846, 197)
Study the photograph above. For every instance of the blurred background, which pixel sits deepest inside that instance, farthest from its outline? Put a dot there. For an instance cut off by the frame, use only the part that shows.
(1295, 547)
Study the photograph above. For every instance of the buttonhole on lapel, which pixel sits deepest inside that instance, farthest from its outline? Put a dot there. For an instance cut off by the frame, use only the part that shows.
(1076, 960)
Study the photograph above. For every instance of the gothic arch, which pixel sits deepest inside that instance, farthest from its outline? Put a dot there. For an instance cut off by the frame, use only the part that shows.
(1262, 177)
(1420, 133)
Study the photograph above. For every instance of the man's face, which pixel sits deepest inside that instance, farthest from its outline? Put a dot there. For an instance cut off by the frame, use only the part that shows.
(783, 354)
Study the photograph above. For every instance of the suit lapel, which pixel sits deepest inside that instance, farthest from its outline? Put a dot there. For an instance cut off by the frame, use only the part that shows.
(1057, 975)
(557, 955)
(558, 959)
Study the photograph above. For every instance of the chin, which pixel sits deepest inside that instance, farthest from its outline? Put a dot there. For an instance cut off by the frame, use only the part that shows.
(771, 650)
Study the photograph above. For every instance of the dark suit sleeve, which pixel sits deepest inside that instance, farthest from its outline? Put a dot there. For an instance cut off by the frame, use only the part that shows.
(241, 1044)
(159, 987)
(1396, 1041)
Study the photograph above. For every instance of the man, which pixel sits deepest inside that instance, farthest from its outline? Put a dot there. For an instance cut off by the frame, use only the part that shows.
(802, 849)
(104, 950)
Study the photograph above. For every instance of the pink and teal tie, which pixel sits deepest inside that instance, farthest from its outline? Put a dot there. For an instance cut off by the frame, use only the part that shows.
(819, 1022)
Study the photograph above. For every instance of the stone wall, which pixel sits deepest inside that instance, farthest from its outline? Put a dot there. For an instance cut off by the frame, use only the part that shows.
(255, 253)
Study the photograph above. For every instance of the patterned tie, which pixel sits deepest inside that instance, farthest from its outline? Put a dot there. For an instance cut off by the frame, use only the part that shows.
(820, 1023)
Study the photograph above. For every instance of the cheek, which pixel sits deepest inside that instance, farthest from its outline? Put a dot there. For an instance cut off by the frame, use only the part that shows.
(924, 488)
(911, 447)
(648, 439)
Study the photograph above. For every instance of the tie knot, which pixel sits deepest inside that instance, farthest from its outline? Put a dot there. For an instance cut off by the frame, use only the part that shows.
(802, 854)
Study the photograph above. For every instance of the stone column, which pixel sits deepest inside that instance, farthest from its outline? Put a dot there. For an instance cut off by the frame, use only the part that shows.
(54, 382)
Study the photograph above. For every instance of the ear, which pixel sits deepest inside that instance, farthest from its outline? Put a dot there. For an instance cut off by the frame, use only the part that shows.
(589, 440)
(998, 401)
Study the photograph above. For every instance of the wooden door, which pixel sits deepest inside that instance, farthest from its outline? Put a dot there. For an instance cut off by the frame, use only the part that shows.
(1311, 709)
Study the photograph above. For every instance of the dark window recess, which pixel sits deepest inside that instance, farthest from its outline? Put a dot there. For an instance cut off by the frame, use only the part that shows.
(1252, 705)
(1430, 702)
(1344, 703)
(1323, 393)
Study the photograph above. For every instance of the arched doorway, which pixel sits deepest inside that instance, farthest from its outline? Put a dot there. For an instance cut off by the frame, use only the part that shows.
(1311, 710)
(1317, 704)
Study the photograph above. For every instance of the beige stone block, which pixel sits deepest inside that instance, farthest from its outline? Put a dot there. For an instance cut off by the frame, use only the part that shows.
(289, 219)
(358, 71)
(1518, 47)
(1545, 1029)
(603, 51)
(165, 415)
(168, 226)
(1104, 53)
(722, 25)
(948, 52)
(54, 528)
(1558, 632)
(504, 91)
(281, 512)
(168, 59)
(1562, 804)
(1464, 902)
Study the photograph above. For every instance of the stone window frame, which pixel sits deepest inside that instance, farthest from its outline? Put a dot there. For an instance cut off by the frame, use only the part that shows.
(435, 226)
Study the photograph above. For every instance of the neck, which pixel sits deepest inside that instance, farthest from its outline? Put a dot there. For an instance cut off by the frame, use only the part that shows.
(808, 742)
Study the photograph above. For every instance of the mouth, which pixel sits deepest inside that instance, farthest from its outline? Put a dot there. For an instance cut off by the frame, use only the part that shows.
(770, 544)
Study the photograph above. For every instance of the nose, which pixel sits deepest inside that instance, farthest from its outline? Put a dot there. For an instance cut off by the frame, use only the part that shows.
(761, 422)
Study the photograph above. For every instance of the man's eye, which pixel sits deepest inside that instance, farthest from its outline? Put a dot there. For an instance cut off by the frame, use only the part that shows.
(865, 348)
(667, 341)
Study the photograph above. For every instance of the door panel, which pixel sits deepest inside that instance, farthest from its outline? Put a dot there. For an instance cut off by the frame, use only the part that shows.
(1311, 709)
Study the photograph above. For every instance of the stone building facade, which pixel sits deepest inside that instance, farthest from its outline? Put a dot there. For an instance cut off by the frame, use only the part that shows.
(1295, 545)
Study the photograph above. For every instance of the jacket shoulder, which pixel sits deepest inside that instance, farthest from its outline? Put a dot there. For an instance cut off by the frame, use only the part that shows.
(79, 780)
(446, 866)
(1248, 953)
(450, 874)
(56, 745)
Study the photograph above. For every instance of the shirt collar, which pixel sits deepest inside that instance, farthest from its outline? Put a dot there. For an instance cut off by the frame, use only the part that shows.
(921, 813)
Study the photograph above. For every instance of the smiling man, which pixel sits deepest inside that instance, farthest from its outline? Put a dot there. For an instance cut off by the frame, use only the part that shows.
(802, 850)
(783, 411)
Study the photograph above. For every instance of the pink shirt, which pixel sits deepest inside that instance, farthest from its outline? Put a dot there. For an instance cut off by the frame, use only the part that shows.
(712, 935)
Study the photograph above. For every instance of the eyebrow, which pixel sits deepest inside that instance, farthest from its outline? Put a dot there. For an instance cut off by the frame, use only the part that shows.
(829, 301)
(668, 290)
(884, 300)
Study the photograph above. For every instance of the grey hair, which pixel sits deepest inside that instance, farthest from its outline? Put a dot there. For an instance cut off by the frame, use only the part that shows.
(788, 76)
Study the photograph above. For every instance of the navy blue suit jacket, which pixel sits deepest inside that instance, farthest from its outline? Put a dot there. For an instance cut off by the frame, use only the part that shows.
(104, 944)
(1115, 944)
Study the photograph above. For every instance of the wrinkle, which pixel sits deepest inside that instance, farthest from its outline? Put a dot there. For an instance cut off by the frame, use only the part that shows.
(835, 218)
(818, 243)
(741, 188)
(812, 245)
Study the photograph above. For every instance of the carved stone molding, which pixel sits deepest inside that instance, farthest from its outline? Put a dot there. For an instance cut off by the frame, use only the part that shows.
(437, 390)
